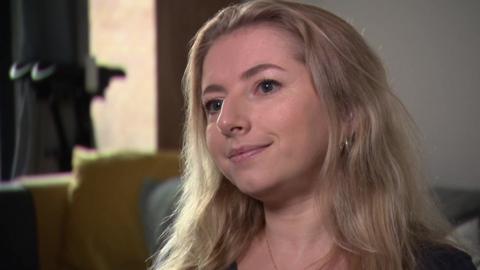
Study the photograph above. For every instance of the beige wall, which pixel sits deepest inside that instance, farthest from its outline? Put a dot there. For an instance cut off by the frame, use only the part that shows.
(431, 49)
(122, 33)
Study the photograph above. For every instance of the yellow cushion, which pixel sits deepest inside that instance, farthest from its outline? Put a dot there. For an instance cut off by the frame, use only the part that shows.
(104, 229)
(50, 194)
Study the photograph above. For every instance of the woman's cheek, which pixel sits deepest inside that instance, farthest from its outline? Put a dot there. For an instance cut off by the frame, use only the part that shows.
(213, 140)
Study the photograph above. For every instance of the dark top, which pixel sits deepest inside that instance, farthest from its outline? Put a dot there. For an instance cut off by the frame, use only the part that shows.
(442, 258)
(435, 259)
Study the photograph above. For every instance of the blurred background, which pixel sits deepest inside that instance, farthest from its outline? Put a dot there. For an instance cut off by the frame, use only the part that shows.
(110, 76)
(429, 48)
(86, 83)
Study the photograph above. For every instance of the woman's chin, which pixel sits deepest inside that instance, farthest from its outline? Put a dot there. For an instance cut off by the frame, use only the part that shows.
(255, 190)
(263, 192)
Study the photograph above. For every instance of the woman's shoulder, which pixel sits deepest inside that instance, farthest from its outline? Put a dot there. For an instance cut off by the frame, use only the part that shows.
(444, 258)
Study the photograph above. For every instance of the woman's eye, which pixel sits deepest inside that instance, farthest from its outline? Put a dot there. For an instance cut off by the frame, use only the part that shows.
(268, 86)
(213, 106)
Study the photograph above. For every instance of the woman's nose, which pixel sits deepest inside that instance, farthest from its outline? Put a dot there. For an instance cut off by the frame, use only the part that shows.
(233, 119)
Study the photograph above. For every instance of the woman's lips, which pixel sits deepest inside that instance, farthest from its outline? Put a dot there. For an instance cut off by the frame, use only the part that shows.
(245, 152)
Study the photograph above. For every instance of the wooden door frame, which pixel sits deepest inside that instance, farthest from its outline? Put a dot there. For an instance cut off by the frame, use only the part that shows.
(177, 22)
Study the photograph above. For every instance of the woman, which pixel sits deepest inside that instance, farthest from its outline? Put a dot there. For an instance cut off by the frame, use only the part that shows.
(297, 155)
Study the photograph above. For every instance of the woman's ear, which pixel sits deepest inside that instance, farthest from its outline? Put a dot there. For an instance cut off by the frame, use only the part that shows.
(350, 123)
(348, 127)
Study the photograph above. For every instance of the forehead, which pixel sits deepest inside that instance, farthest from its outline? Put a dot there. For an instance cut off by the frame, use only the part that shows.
(249, 46)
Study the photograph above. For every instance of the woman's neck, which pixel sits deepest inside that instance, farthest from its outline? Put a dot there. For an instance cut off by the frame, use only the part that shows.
(296, 233)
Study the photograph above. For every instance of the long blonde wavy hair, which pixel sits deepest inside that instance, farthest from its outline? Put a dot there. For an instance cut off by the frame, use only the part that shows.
(379, 212)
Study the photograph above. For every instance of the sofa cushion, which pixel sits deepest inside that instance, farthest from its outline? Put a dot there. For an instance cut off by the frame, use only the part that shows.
(157, 204)
(104, 230)
(50, 195)
(458, 205)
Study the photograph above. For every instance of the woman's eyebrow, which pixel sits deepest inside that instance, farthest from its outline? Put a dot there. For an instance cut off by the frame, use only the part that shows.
(257, 69)
(213, 88)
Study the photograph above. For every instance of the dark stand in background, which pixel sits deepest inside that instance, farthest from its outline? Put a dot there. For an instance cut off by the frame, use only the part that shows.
(6, 93)
(46, 85)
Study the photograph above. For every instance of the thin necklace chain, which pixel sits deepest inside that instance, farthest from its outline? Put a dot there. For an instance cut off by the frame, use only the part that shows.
(270, 253)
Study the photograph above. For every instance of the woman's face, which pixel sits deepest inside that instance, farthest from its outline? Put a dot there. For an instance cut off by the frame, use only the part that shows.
(266, 123)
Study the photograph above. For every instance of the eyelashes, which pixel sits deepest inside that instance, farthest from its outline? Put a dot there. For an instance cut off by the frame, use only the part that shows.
(212, 106)
(268, 86)
(264, 87)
